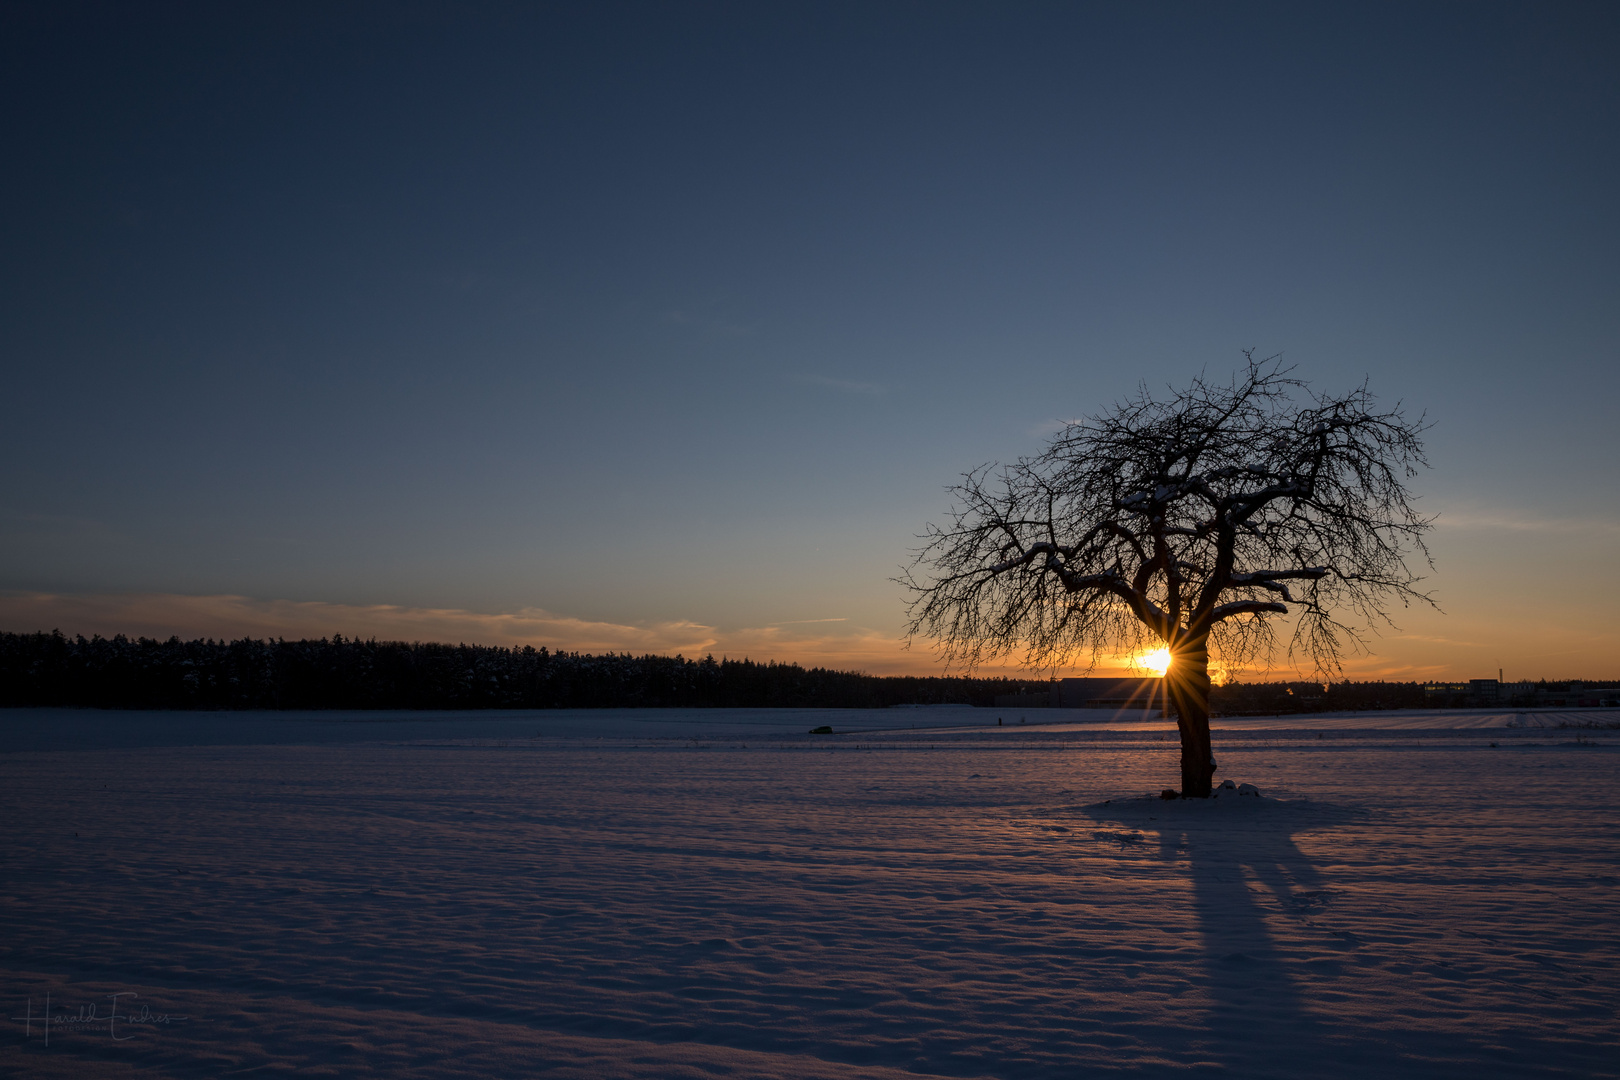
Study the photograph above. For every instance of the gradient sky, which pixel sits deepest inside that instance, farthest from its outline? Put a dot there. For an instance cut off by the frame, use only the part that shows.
(663, 326)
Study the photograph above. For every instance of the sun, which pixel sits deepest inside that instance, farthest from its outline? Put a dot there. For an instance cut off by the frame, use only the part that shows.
(1156, 661)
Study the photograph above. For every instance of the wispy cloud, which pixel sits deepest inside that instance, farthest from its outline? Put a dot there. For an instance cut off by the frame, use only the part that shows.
(1364, 669)
(33, 521)
(1047, 428)
(162, 615)
(1432, 640)
(843, 386)
(713, 327)
(835, 643)
(1523, 522)
(166, 614)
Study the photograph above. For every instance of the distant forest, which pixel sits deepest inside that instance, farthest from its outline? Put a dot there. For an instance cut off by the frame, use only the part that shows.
(339, 673)
(343, 673)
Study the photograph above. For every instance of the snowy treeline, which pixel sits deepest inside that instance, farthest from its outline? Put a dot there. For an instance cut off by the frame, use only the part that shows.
(339, 673)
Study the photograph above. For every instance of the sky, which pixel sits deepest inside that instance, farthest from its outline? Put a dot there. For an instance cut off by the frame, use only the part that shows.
(664, 327)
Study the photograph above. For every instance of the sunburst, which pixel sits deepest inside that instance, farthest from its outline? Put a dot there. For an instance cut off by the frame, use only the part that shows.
(1156, 661)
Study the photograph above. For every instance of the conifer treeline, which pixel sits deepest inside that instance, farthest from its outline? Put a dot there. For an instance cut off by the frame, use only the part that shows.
(340, 673)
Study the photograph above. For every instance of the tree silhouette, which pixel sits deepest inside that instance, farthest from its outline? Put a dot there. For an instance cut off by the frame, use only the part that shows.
(1198, 520)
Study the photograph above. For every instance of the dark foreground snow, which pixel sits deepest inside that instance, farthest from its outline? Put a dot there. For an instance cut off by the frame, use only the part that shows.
(732, 899)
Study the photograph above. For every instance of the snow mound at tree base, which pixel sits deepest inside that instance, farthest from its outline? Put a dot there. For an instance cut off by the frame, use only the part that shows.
(1223, 800)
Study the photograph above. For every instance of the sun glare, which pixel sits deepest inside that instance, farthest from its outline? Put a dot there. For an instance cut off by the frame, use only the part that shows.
(1157, 661)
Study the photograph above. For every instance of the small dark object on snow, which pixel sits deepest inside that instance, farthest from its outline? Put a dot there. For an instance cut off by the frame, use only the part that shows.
(1493, 746)
(822, 730)
(1169, 793)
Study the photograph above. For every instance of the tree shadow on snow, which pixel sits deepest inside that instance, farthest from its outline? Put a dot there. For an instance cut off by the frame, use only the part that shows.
(1245, 868)
(1269, 1005)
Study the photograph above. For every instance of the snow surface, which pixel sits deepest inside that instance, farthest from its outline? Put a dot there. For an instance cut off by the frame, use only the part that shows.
(707, 894)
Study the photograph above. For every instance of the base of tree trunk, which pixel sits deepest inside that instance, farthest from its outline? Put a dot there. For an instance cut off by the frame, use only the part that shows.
(1186, 685)
(1197, 775)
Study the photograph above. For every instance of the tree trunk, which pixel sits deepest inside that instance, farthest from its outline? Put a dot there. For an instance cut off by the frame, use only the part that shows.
(1186, 684)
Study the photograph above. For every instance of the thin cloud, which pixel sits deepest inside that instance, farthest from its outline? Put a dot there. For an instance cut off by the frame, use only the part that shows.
(52, 524)
(1464, 519)
(831, 643)
(163, 615)
(848, 648)
(843, 386)
(1050, 427)
(1431, 639)
(714, 327)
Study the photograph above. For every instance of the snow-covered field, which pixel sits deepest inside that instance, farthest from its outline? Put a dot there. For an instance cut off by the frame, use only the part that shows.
(697, 894)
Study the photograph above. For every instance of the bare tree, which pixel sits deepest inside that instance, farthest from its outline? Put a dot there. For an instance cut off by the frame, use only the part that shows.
(1198, 520)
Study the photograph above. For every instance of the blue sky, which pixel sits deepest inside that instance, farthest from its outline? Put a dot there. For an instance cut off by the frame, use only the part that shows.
(663, 326)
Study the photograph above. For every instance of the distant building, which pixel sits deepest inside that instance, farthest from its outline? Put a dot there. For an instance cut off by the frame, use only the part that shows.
(1515, 692)
(1109, 693)
(1444, 693)
(1488, 692)
(1572, 695)
(1090, 694)
(1472, 692)
(1041, 699)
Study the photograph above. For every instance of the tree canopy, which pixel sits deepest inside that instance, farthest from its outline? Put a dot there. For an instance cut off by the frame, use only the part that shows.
(1199, 519)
